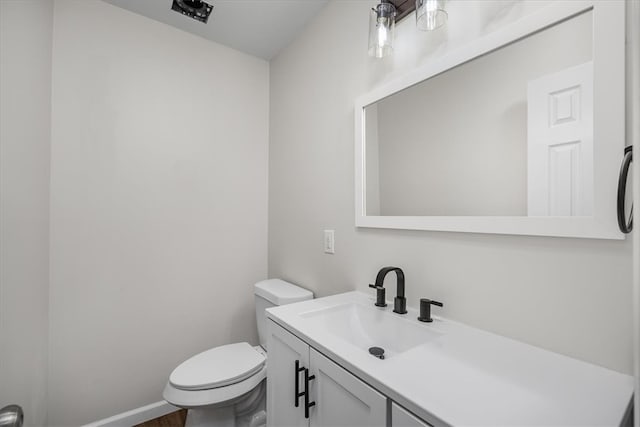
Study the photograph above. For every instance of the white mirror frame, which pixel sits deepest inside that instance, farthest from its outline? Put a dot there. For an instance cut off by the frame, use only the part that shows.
(609, 127)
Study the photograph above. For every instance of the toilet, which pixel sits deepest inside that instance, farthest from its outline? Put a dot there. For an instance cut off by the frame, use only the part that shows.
(226, 386)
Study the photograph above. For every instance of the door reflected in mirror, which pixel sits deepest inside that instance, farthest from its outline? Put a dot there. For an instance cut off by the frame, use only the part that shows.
(509, 133)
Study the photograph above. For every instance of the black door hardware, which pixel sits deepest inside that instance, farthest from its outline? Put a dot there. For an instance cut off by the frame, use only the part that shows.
(625, 226)
(297, 370)
(307, 404)
(399, 302)
(425, 309)
(11, 416)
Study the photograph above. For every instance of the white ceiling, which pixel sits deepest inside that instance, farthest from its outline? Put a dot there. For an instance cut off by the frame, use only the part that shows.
(258, 27)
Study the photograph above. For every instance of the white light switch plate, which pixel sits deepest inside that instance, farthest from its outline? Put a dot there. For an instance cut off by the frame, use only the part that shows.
(329, 242)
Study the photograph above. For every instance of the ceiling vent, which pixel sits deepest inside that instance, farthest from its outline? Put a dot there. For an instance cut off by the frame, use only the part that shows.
(196, 9)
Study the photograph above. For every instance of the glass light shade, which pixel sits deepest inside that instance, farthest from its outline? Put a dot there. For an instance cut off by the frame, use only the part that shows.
(430, 14)
(381, 27)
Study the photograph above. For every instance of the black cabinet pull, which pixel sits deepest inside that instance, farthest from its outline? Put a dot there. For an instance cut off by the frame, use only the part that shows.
(625, 225)
(297, 370)
(307, 404)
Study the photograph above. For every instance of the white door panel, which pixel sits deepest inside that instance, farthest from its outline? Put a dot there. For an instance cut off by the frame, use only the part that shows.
(560, 143)
(284, 350)
(400, 417)
(341, 399)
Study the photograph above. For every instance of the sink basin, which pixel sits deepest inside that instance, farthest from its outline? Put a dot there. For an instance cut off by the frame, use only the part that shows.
(367, 327)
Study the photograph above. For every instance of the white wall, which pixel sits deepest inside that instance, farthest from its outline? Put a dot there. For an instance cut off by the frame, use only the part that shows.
(456, 144)
(568, 295)
(25, 113)
(158, 205)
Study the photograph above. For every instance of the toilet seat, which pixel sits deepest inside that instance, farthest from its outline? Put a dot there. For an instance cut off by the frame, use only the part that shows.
(245, 377)
(218, 367)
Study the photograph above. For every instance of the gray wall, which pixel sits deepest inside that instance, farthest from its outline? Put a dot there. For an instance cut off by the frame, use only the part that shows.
(25, 113)
(571, 296)
(158, 205)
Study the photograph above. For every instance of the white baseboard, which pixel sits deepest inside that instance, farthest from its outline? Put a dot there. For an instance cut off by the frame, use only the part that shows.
(136, 416)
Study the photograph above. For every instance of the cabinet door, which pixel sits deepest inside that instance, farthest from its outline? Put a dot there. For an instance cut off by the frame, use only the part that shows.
(341, 399)
(284, 349)
(400, 417)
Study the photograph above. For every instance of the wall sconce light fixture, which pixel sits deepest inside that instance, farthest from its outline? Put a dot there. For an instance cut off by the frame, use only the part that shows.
(430, 15)
(381, 27)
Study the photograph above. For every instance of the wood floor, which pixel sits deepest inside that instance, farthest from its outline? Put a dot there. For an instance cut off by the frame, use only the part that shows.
(174, 419)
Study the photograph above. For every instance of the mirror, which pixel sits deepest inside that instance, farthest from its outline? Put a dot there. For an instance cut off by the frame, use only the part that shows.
(507, 136)
(472, 140)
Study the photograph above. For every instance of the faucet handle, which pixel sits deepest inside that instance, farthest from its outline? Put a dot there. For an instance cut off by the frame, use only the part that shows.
(425, 309)
(380, 295)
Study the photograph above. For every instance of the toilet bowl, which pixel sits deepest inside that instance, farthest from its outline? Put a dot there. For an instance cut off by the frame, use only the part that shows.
(225, 386)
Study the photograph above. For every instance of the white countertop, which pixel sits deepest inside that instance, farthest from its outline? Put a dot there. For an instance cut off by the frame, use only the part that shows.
(466, 376)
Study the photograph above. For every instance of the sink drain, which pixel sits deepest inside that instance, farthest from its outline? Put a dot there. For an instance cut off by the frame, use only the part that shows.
(377, 352)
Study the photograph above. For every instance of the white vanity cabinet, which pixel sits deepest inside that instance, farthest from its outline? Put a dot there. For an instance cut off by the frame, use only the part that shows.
(284, 408)
(441, 374)
(400, 417)
(335, 397)
(342, 399)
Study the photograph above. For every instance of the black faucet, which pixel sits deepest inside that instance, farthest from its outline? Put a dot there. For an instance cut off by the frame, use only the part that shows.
(399, 302)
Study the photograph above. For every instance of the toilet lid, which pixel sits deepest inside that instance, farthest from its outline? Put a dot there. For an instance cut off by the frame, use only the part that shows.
(218, 367)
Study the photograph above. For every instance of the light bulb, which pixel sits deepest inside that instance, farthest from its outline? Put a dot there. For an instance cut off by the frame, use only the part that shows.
(381, 27)
(383, 33)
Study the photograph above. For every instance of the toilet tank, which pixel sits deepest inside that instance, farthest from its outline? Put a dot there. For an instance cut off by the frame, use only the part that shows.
(271, 293)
